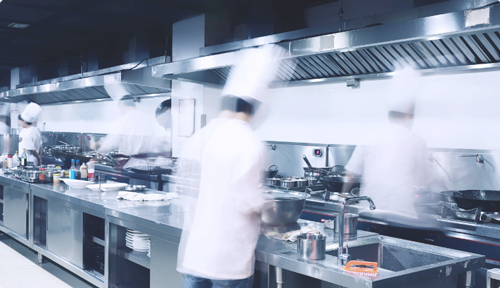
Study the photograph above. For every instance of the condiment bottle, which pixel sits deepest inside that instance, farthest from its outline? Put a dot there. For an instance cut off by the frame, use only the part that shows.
(91, 170)
(72, 170)
(83, 172)
(15, 160)
(57, 177)
(9, 161)
(43, 175)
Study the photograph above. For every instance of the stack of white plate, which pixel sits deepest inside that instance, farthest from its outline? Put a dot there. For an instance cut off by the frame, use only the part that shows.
(137, 241)
(149, 246)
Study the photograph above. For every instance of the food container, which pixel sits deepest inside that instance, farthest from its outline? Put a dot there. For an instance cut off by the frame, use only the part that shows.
(283, 208)
(350, 223)
(273, 181)
(287, 183)
(50, 176)
(300, 182)
(57, 177)
(311, 246)
(135, 188)
(43, 175)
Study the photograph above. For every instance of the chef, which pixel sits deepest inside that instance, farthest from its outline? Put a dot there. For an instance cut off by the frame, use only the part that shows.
(132, 133)
(222, 226)
(397, 159)
(29, 137)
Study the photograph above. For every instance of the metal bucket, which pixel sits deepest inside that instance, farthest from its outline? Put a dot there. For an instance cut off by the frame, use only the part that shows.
(311, 246)
(350, 222)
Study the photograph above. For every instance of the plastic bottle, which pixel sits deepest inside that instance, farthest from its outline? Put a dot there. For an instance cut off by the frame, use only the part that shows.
(78, 174)
(15, 160)
(72, 170)
(5, 161)
(9, 161)
(91, 170)
(24, 159)
(83, 172)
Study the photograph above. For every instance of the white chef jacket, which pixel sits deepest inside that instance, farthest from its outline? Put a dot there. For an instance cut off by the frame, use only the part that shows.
(30, 139)
(132, 134)
(220, 242)
(392, 168)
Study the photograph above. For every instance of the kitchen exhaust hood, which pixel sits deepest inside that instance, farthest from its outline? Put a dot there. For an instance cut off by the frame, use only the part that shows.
(445, 43)
(136, 78)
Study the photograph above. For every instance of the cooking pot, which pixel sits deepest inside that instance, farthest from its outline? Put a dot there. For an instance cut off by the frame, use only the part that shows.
(273, 181)
(311, 246)
(271, 172)
(300, 182)
(283, 208)
(335, 183)
(287, 183)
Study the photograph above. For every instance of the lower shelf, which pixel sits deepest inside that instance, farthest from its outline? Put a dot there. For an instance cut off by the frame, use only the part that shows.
(139, 258)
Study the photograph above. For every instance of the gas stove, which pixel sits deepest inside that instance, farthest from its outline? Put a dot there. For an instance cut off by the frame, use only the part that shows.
(451, 210)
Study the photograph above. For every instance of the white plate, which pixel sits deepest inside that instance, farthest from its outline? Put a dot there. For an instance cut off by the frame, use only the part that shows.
(77, 184)
(107, 186)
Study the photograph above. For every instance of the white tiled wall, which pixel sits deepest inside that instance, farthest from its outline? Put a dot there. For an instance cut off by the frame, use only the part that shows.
(453, 111)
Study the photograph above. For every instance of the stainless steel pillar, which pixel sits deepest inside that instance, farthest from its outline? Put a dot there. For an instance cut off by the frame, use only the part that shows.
(467, 279)
(493, 278)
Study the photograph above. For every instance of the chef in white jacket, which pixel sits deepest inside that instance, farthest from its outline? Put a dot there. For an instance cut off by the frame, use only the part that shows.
(29, 137)
(396, 161)
(131, 133)
(222, 225)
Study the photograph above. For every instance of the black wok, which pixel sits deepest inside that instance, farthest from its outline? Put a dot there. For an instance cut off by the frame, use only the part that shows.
(271, 172)
(487, 200)
(336, 183)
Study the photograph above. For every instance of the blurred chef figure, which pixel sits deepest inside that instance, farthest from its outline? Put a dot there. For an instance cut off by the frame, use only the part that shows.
(222, 227)
(29, 137)
(5, 118)
(397, 160)
(132, 132)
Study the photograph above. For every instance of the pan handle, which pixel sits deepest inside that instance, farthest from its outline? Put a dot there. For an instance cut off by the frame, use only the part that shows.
(307, 161)
(270, 167)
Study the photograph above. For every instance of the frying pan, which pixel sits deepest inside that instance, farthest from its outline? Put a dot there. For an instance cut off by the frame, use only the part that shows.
(487, 200)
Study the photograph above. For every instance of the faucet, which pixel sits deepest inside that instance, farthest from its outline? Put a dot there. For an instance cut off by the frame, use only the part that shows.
(479, 157)
(344, 258)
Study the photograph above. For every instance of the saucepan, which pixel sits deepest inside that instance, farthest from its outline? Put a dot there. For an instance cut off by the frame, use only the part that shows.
(271, 172)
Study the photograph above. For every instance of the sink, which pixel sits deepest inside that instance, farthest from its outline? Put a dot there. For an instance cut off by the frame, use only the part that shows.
(393, 257)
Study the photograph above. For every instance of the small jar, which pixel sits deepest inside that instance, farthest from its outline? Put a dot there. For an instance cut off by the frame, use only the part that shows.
(57, 177)
(50, 176)
(43, 175)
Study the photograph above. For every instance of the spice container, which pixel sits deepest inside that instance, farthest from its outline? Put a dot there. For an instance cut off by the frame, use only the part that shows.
(43, 175)
(50, 176)
(57, 177)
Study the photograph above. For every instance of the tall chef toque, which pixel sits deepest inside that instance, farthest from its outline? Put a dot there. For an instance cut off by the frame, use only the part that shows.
(31, 113)
(404, 91)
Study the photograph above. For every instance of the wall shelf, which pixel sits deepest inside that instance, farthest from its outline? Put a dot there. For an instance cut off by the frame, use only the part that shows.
(138, 258)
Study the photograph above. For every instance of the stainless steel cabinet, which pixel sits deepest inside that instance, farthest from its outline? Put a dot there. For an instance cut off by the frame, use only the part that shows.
(65, 233)
(163, 264)
(16, 211)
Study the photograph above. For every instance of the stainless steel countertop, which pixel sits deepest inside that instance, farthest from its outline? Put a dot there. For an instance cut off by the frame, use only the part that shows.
(168, 218)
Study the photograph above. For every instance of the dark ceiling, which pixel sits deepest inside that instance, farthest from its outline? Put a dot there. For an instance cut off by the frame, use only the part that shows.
(72, 28)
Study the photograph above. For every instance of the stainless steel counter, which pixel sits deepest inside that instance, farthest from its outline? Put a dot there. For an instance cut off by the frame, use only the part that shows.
(164, 221)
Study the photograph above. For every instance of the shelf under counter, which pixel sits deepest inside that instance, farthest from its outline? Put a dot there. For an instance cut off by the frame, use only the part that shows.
(139, 258)
(98, 241)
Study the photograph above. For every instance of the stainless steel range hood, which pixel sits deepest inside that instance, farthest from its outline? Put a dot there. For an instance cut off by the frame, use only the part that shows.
(443, 43)
(135, 77)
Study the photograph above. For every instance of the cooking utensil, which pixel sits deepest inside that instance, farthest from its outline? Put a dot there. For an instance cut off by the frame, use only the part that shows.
(487, 200)
(300, 182)
(271, 172)
(311, 181)
(335, 183)
(307, 161)
(287, 183)
(351, 222)
(273, 181)
(135, 188)
(283, 208)
(311, 246)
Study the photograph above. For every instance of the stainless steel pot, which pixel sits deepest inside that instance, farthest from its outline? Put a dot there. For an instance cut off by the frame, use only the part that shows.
(311, 181)
(282, 208)
(273, 181)
(287, 183)
(311, 246)
(351, 223)
(300, 182)
(312, 173)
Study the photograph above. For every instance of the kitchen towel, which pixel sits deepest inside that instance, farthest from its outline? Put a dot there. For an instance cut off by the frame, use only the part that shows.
(132, 196)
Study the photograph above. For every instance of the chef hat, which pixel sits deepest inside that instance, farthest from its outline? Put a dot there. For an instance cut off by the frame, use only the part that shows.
(31, 113)
(253, 71)
(404, 90)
